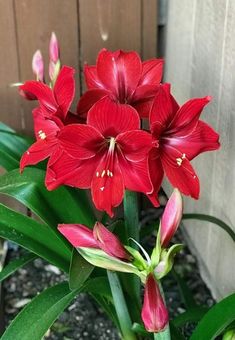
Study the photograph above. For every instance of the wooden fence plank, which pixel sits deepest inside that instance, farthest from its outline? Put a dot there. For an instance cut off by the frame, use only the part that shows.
(149, 29)
(35, 22)
(9, 99)
(111, 24)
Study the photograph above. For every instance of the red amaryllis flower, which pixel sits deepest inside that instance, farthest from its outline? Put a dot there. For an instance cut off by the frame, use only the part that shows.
(178, 137)
(124, 78)
(100, 237)
(154, 313)
(108, 155)
(50, 116)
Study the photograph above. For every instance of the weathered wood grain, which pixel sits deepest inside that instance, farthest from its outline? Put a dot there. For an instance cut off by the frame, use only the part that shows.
(35, 20)
(9, 71)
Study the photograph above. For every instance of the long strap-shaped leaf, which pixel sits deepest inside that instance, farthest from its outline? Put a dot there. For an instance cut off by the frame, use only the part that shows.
(216, 320)
(35, 319)
(12, 146)
(14, 265)
(212, 219)
(34, 236)
(63, 205)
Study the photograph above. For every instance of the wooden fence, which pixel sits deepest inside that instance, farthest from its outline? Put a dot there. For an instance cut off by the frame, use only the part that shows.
(200, 60)
(83, 27)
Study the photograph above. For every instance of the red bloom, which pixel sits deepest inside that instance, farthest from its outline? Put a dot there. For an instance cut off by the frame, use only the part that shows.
(154, 313)
(124, 78)
(81, 236)
(108, 155)
(178, 137)
(50, 116)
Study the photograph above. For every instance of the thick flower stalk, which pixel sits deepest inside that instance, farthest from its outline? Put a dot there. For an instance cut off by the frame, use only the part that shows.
(178, 137)
(123, 78)
(108, 154)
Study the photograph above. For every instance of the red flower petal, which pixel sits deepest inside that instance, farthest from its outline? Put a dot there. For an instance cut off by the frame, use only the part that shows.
(37, 152)
(135, 175)
(134, 144)
(64, 89)
(111, 118)
(70, 171)
(202, 139)
(107, 192)
(154, 313)
(120, 73)
(89, 98)
(43, 93)
(142, 99)
(156, 175)
(180, 172)
(152, 72)
(78, 235)
(186, 118)
(164, 107)
(91, 77)
(109, 243)
(44, 127)
(81, 141)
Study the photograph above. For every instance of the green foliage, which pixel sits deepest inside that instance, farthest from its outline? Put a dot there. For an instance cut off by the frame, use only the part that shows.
(14, 265)
(216, 320)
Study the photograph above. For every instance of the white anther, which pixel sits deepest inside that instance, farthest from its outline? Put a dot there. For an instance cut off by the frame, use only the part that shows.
(179, 161)
(103, 173)
(97, 174)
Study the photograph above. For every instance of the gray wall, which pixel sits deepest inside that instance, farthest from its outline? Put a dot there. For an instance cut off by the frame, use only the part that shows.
(200, 60)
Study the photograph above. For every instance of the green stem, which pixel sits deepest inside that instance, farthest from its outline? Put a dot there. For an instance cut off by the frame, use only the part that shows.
(131, 215)
(164, 335)
(121, 307)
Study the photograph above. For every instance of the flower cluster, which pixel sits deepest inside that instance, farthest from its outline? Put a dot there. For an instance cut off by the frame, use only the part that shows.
(102, 146)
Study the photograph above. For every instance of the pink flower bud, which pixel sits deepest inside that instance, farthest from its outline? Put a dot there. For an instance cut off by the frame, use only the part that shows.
(109, 243)
(78, 235)
(54, 49)
(38, 65)
(171, 217)
(154, 313)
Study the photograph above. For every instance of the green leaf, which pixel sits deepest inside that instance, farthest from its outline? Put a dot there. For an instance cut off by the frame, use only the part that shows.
(191, 315)
(175, 333)
(14, 265)
(63, 205)
(35, 319)
(79, 270)
(139, 329)
(213, 220)
(34, 236)
(215, 320)
(12, 146)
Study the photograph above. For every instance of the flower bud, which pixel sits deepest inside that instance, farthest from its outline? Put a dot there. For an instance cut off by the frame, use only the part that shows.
(171, 218)
(154, 313)
(38, 65)
(109, 243)
(78, 235)
(54, 54)
(54, 48)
